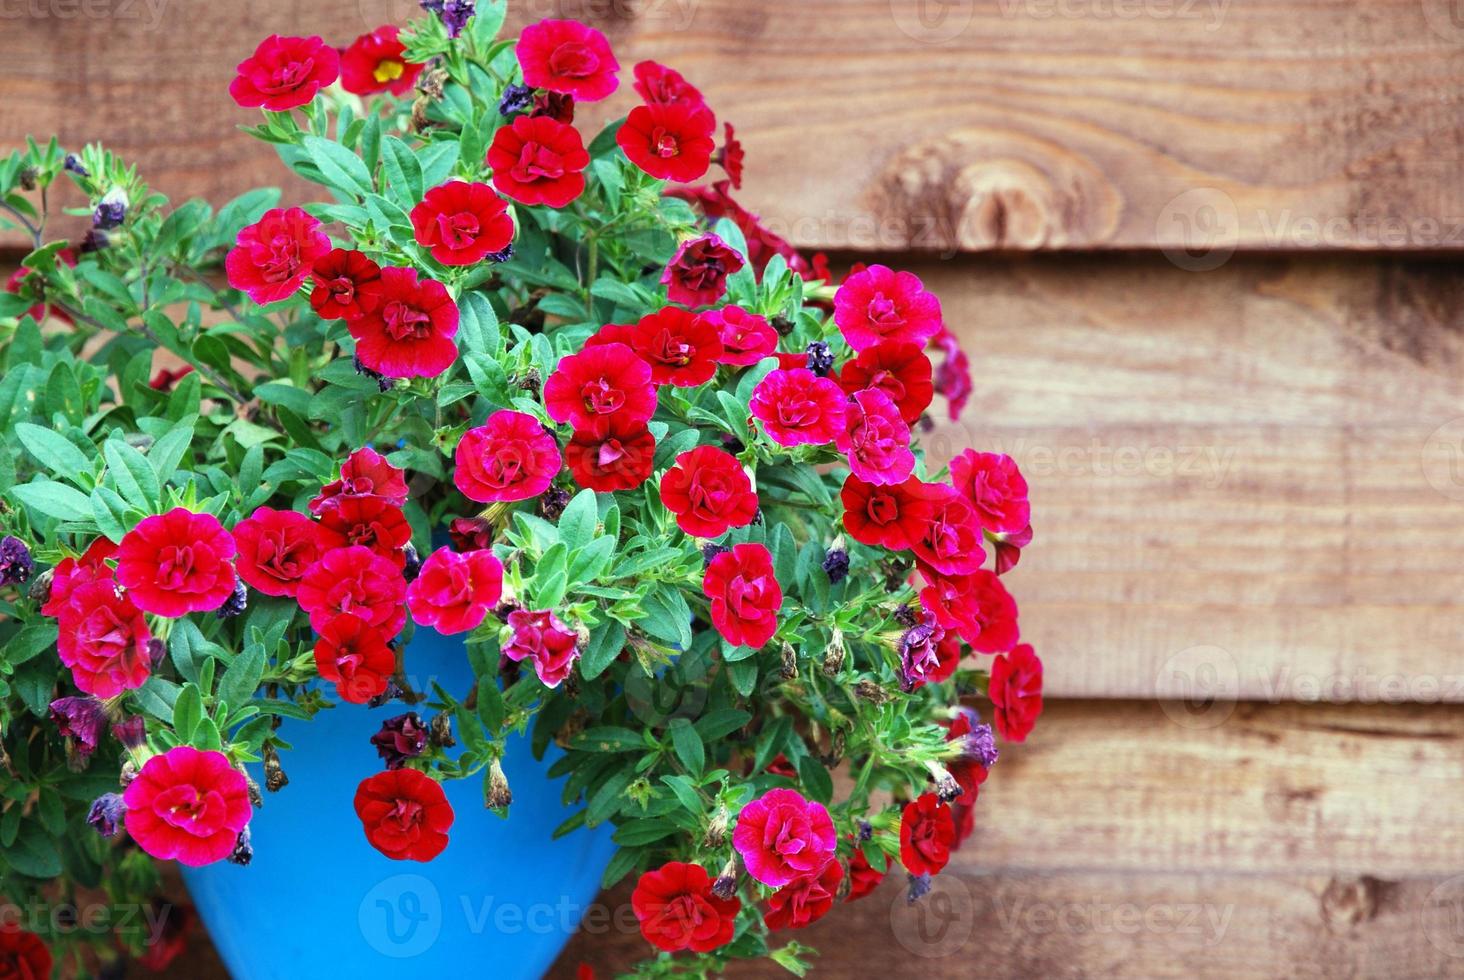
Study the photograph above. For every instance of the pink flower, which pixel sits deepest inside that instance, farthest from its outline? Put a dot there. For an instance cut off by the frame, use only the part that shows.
(454, 592)
(601, 381)
(103, 639)
(745, 595)
(746, 337)
(358, 581)
(782, 836)
(285, 73)
(271, 258)
(879, 304)
(177, 563)
(949, 536)
(992, 482)
(570, 57)
(510, 457)
(797, 407)
(876, 439)
(697, 274)
(187, 805)
(542, 637)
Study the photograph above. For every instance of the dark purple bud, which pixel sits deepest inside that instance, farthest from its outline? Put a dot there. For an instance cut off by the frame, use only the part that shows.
(516, 98)
(979, 745)
(710, 551)
(236, 603)
(401, 738)
(79, 719)
(73, 163)
(16, 563)
(413, 563)
(836, 565)
(919, 653)
(725, 885)
(156, 651)
(820, 358)
(106, 813)
(553, 502)
(392, 692)
(243, 849)
(94, 241)
(382, 381)
(906, 615)
(502, 255)
(109, 214)
(866, 830)
(783, 325)
(453, 13)
(919, 887)
(131, 732)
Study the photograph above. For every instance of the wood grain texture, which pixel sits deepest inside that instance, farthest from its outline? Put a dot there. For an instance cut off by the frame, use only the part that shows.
(1197, 126)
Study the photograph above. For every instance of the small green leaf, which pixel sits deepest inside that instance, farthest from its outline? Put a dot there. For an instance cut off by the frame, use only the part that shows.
(55, 500)
(133, 475)
(242, 678)
(29, 642)
(577, 523)
(53, 450)
(688, 744)
(339, 166)
(815, 779)
(606, 642)
(187, 712)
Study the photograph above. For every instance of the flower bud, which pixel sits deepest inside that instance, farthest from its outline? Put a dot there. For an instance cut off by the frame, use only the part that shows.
(16, 563)
(516, 98)
(918, 888)
(439, 731)
(834, 655)
(400, 738)
(73, 163)
(131, 732)
(106, 814)
(243, 849)
(725, 885)
(40, 590)
(111, 210)
(789, 668)
(946, 786)
(716, 834)
(820, 358)
(498, 796)
(274, 775)
(868, 690)
(836, 565)
(236, 603)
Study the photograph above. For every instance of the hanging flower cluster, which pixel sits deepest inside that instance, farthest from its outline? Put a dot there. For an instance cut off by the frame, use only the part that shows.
(505, 384)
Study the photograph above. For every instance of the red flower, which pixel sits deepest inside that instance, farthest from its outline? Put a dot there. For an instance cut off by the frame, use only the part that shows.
(890, 516)
(994, 484)
(275, 549)
(879, 304)
(804, 901)
(875, 439)
(762, 243)
(510, 457)
(1016, 692)
(659, 85)
(103, 639)
(165, 379)
(347, 285)
(899, 370)
(544, 638)
(613, 453)
(364, 473)
(177, 563)
(949, 539)
(602, 381)
(677, 909)
(354, 656)
(72, 573)
(374, 63)
(40, 311)
(1009, 548)
(187, 805)
(271, 258)
(470, 533)
(285, 72)
(730, 156)
(969, 771)
(611, 333)
(746, 337)
(797, 407)
(454, 592)
(370, 521)
(405, 814)
(554, 105)
(977, 606)
(681, 347)
(863, 876)
(671, 142)
(927, 834)
(538, 160)
(358, 581)
(708, 492)
(953, 378)
(745, 595)
(24, 957)
(410, 334)
(697, 274)
(782, 836)
(462, 222)
(567, 56)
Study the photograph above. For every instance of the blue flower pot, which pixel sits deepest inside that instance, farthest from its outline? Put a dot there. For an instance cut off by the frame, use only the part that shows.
(318, 900)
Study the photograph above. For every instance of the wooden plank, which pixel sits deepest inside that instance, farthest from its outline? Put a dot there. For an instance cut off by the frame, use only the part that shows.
(1197, 127)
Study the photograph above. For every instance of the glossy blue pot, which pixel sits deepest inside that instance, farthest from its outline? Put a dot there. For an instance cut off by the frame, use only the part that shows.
(318, 900)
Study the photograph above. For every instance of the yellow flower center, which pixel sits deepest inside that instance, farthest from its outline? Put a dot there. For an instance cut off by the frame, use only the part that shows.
(388, 71)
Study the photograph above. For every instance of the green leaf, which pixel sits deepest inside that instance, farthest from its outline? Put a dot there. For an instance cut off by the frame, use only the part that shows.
(186, 647)
(187, 712)
(55, 500)
(815, 779)
(606, 642)
(638, 833)
(608, 738)
(158, 696)
(720, 723)
(606, 801)
(577, 523)
(34, 853)
(113, 516)
(688, 744)
(685, 792)
(490, 704)
(403, 172)
(53, 450)
(622, 864)
(133, 475)
(242, 678)
(667, 616)
(29, 642)
(339, 166)
(743, 675)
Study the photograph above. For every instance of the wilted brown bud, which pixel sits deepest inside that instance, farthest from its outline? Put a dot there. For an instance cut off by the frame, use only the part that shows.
(789, 669)
(274, 774)
(439, 731)
(498, 796)
(868, 690)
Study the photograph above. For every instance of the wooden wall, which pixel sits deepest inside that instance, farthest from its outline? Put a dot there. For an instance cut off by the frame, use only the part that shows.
(1231, 373)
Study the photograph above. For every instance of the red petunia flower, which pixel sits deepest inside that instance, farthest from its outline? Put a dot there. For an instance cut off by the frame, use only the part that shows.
(889, 516)
(509, 457)
(354, 656)
(275, 549)
(454, 592)
(863, 876)
(103, 639)
(347, 285)
(23, 956)
(164, 379)
(681, 347)
(567, 56)
(72, 573)
(538, 160)
(762, 243)
(782, 836)
(993, 483)
(677, 909)
(40, 311)
(797, 407)
(949, 539)
(614, 453)
(405, 814)
(285, 73)
(879, 304)
(670, 142)
(554, 105)
(462, 222)
(470, 533)
(697, 274)
(177, 563)
(271, 258)
(927, 834)
(364, 473)
(367, 520)
(805, 900)
(602, 381)
(659, 85)
(968, 770)
(542, 637)
(358, 581)
(977, 606)
(611, 333)
(1016, 692)
(953, 377)
(901, 371)
(375, 62)
(745, 595)
(410, 335)
(746, 337)
(709, 492)
(875, 439)
(730, 157)
(187, 805)
(1009, 547)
